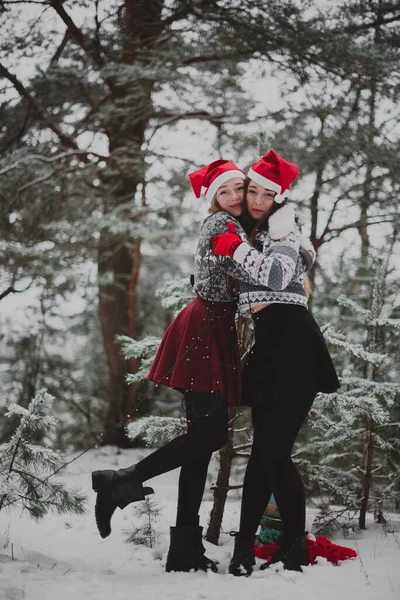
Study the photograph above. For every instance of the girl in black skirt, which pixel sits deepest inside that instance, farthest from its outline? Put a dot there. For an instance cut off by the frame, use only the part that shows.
(288, 364)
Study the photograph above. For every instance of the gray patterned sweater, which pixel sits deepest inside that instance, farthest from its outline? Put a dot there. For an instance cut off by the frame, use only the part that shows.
(276, 267)
(211, 273)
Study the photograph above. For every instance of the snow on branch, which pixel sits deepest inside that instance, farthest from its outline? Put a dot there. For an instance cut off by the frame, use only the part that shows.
(175, 294)
(27, 466)
(367, 317)
(144, 349)
(336, 338)
(156, 431)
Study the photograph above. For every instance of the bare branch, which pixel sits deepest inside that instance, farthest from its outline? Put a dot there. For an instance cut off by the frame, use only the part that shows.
(77, 36)
(24, 93)
(51, 159)
(328, 222)
(11, 290)
(226, 487)
(54, 60)
(36, 181)
(334, 233)
(369, 25)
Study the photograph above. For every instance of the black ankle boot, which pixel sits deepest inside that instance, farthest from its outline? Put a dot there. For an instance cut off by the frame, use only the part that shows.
(280, 554)
(243, 559)
(298, 555)
(186, 551)
(115, 489)
(293, 554)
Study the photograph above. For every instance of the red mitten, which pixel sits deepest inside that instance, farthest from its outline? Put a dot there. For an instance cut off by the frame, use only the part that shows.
(225, 244)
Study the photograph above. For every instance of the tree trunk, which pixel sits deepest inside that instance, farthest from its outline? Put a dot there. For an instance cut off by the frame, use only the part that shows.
(367, 476)
(370, 163)
(119, 257)
(226, 455)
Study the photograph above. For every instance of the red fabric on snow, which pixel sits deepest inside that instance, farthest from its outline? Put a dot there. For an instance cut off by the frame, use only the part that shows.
(321, 547)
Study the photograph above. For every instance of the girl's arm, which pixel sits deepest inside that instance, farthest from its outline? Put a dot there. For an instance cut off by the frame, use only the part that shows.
(215, 225)
(275, 266)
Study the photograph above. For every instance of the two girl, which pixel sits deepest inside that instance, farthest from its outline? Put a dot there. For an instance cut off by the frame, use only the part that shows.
(199, 357)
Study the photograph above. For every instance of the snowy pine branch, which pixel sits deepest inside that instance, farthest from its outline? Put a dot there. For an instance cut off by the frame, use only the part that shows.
(144, 349)
(131, 348)
(175, 294)
(378, 316)
(156, 431)
(336, 338)
(26, 467)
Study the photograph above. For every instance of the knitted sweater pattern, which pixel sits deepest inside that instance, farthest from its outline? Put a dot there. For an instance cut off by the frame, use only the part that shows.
(277, 268)
(211, 273)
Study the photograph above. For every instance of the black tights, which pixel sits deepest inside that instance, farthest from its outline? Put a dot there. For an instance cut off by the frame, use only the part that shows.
(270, 468)
(207, 431)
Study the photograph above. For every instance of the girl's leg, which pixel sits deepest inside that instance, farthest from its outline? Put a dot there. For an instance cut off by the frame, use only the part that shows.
(276, 426)
(186, 551)
(290, 499)
(192, 481)
(207, 417)
(288, 487)
(193, 476)
(207, 431)
(257, 489)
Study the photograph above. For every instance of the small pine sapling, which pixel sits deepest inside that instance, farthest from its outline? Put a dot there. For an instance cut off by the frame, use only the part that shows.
(148, 513)
(26, 467)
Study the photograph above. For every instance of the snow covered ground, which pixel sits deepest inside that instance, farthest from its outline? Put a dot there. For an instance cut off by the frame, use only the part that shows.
(64, 558)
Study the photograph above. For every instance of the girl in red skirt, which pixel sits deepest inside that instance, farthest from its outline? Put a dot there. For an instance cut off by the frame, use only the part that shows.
(199, 357)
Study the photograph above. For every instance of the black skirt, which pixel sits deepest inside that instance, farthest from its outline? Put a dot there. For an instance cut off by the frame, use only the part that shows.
(289, 356)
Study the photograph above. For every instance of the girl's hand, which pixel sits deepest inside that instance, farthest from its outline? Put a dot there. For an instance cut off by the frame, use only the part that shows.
(225, 244)
(306, 244)
(281, 223)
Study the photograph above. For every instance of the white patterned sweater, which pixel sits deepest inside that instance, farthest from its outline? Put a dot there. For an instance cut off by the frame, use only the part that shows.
(211, 273)
(276, 267)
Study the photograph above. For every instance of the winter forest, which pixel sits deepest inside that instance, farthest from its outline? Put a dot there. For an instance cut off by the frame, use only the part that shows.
(105, 107)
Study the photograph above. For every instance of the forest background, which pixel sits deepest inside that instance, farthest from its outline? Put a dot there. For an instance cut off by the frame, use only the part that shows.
(104, 109)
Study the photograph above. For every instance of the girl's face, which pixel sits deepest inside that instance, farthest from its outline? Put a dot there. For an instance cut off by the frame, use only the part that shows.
(260, 200)
(230, 196)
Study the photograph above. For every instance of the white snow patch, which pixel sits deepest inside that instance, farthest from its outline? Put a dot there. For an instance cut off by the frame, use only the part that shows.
(64, 558)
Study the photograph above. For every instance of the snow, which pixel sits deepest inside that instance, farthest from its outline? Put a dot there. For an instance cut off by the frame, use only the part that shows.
(64, 558)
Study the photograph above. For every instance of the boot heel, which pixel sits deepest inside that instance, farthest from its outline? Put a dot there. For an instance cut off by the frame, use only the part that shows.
(101, 479)
(96, 477)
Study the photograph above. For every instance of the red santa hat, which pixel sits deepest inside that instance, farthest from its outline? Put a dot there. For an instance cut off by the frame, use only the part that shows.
(274, 173)
(208, 179)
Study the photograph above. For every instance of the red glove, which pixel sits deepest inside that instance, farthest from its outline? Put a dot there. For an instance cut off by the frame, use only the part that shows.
(225, 244)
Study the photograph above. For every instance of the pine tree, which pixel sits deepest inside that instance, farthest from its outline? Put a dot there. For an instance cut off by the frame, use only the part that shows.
(354, 436)
(81, 150)
(47, 349)
(26, 468)
(148, 512)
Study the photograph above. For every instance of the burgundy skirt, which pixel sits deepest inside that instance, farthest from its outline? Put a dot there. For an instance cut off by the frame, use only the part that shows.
(199, 351)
